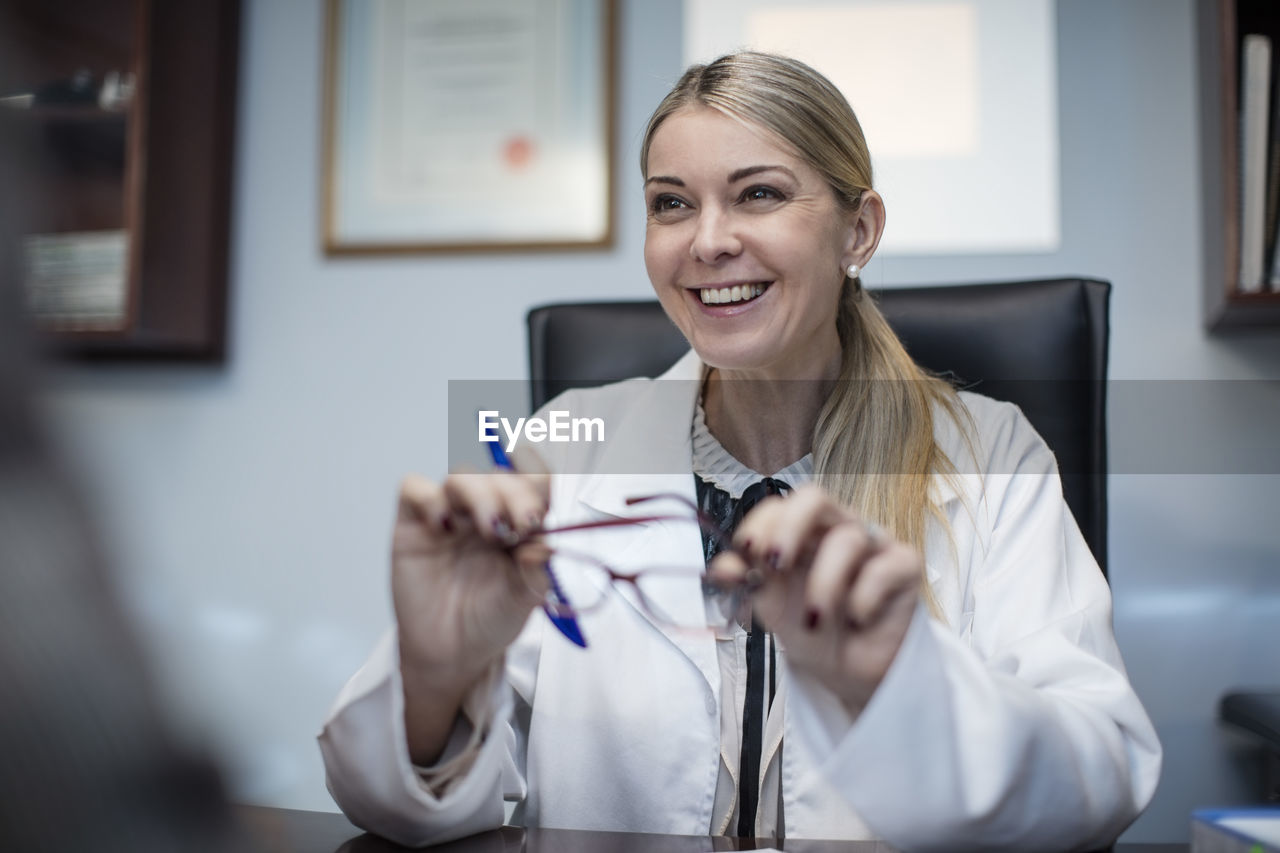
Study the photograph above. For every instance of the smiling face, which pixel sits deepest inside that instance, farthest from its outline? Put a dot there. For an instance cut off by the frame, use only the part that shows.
(746, 246)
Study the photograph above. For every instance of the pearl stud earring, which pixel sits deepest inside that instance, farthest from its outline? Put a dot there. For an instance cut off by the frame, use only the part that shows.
(852, 271)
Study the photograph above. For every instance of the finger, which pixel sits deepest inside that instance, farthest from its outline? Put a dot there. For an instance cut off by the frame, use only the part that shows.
(527, 461)
(783, 532)
(518, 501)
(531, 560)
(423, 501)
(728, 569)
(479, 498)
(755, 534)
(836, 565)
(888, 576)
(522, 499)
(878, 536)
(536, 474)
(534, 554)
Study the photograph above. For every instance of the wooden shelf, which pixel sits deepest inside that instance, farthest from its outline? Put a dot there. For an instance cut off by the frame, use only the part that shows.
(155, 176)
(1222, 23)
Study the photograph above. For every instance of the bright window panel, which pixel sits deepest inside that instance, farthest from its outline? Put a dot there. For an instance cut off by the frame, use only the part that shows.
(958, 101)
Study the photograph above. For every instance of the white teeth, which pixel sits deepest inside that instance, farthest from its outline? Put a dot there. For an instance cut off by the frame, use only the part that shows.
(727, 295)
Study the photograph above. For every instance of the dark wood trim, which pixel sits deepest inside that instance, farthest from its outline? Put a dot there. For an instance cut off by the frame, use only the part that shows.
(1225, 309)
(178, 186)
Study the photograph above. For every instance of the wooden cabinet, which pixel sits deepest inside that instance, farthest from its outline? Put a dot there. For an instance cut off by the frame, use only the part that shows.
(1222, 24)
(123, 112)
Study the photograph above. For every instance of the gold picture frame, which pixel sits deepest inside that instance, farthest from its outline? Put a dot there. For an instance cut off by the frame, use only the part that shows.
(464, 127)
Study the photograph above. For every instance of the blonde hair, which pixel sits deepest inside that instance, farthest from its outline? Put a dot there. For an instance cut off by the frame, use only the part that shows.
(884, 472)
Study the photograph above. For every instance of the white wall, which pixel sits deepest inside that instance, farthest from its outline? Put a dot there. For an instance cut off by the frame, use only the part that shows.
(249, 504)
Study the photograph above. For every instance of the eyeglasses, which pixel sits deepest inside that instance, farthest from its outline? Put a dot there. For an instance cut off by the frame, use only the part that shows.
(582, 582)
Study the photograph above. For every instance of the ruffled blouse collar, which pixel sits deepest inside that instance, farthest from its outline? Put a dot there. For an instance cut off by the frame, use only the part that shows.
(714, 464)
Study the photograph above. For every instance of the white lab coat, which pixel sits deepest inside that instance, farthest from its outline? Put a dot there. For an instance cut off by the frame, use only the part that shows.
(1009, 723)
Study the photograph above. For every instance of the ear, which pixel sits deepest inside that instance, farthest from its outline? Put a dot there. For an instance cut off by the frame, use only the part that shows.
(867, 226)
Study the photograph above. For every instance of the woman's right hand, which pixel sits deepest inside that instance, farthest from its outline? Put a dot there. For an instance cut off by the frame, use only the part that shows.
(461, 592)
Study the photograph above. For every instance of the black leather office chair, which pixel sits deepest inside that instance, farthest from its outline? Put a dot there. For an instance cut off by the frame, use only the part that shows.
(1039, 344)
(1256, 714)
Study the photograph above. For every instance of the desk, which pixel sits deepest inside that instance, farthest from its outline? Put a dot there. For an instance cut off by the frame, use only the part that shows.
(292, 831)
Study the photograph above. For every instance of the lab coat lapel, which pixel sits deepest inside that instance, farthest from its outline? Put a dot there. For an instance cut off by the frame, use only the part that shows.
(651, 449)
(651, 452)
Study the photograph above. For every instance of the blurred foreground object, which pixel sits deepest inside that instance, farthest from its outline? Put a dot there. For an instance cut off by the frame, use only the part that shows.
(89, 763)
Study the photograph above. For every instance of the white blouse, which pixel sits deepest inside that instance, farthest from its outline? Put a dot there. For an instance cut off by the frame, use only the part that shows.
(713, 463)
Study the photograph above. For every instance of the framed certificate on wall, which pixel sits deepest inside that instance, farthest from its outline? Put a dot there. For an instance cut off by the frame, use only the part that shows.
(475, 126)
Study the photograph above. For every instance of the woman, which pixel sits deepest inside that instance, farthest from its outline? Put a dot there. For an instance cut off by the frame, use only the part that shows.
(943, 677)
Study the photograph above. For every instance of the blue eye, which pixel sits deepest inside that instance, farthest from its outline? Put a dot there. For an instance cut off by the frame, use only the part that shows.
(666, 203)
(761, 193)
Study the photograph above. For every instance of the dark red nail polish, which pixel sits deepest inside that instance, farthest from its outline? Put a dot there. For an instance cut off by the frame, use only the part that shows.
(811, 619)
(773, 558)
(447, 523)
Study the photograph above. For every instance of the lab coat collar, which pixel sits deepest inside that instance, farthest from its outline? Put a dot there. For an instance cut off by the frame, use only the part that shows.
(659, 422)
(655, 436)
(653, 443)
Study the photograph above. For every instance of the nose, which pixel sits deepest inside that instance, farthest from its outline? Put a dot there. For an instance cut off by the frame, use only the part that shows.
(715, 237)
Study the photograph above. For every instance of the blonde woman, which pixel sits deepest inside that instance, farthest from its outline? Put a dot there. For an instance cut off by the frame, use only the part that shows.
(911, 639)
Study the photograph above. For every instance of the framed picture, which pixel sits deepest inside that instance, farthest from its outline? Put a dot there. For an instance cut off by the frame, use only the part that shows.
(474, 126)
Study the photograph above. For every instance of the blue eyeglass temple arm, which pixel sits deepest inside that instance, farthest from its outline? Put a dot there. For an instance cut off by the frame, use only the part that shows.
(567, 624)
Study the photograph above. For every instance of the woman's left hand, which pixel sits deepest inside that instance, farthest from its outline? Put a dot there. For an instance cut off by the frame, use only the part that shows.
(838, 593)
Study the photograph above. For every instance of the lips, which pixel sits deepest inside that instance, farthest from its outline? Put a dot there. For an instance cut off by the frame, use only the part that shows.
(732, 294)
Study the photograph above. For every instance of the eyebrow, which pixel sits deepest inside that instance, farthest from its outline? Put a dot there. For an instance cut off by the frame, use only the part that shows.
(734, 176)
(739, 174)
